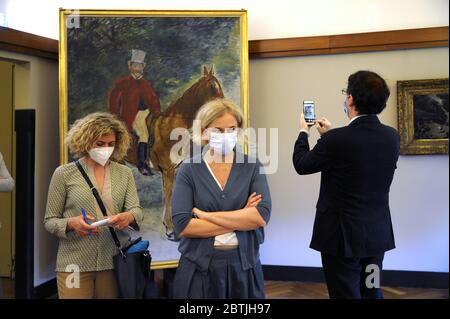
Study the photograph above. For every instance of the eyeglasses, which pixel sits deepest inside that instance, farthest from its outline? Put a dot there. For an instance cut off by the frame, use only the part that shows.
(344, 91)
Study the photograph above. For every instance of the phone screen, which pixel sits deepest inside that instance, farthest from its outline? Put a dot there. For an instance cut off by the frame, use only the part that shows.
(309, 111)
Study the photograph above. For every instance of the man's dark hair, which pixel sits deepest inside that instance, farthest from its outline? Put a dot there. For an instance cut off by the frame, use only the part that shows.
(369, 91)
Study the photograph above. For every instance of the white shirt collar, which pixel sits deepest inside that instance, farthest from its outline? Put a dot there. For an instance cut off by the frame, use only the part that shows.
(357, 117)
(137, 77)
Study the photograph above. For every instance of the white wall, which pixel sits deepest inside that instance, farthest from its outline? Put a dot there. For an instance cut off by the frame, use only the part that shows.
(420, 217)
(267, 18)
(36, 87)
(419, 195)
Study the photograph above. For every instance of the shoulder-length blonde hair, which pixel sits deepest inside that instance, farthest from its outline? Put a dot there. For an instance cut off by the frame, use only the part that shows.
(85, 131)
(214, 109)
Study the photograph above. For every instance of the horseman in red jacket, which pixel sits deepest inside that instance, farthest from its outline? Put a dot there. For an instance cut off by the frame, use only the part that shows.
(132, 99)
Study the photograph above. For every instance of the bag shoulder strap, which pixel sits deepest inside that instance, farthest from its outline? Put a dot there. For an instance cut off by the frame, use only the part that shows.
(85, 176)
(99, 201)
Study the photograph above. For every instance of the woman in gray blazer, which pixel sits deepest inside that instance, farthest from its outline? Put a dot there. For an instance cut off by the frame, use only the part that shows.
(84, 264)
(220, 205)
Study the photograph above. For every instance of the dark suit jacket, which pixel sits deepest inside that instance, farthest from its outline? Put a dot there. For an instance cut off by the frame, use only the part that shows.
(357, 164)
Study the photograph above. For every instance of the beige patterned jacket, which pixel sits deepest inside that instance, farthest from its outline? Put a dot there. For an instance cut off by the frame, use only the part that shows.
(68, 193)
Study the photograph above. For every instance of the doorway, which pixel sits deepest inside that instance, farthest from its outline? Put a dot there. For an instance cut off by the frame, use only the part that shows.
(7, 219)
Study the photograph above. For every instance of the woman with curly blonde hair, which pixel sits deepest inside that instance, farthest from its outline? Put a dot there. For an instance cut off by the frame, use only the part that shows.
(99, 142)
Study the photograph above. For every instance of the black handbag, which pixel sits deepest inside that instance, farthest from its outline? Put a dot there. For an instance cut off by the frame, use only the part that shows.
(132, 270)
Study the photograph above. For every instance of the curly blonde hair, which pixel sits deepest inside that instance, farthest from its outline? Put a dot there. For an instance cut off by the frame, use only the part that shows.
(85, 131)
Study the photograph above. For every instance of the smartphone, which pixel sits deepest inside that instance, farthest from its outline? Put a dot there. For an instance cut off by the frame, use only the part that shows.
(309, 112)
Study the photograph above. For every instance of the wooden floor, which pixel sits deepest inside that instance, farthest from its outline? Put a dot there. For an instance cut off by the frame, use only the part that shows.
(303, 290)
(297, 290)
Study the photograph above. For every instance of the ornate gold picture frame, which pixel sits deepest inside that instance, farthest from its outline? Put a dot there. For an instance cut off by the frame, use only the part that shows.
(423, 113)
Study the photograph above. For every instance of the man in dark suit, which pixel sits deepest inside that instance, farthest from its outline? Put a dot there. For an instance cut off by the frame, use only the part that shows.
(353, 227)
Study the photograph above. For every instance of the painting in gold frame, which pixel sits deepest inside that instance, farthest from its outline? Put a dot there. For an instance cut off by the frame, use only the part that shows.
(179, 50)
(423, 116)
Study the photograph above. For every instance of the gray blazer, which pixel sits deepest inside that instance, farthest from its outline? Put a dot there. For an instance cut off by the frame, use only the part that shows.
(196, 187)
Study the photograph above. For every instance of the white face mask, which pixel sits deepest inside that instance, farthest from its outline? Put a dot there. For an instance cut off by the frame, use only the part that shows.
(223, 143)
(345, 108)
(101, 154)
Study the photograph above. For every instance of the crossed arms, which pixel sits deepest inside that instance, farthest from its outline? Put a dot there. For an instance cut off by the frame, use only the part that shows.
(255, 214)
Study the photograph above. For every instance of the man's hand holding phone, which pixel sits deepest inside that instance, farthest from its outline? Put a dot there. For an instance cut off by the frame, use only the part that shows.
(308, 119)
(322, 125)
(304, 126)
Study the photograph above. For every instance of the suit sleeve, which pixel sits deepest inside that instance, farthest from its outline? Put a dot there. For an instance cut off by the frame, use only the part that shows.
(308, 161)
